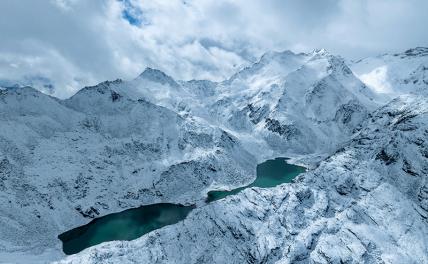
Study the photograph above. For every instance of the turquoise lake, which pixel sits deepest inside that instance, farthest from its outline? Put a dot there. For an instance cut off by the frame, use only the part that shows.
(133, 223)
(126, 225)
(270, 173)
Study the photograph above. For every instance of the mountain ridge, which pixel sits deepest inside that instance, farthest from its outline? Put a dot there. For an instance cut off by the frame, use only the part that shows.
(120, 144)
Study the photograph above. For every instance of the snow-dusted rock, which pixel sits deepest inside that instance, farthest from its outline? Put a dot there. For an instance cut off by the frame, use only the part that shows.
(299, 103)
(122, 144)
(395, 74)
(364, 204)
(66, 162)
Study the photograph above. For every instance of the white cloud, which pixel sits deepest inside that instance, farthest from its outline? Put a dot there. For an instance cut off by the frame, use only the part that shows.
(378, 80)
(72, 43)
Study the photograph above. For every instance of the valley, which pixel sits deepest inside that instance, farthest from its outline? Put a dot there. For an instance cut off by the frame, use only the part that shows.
(124, 144)
(133, 223)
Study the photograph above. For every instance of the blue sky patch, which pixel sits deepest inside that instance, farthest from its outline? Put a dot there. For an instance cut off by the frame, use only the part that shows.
(132, 13)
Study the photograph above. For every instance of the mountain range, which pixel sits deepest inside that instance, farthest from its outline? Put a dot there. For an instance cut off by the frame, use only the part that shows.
(360, 127)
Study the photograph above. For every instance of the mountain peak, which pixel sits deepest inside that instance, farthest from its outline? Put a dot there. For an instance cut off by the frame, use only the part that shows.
(336, 64)
(106, 87)
(21, 90)
(157, 76)
(319, 53)
(148, 71)
(272, 55)
(418, 51)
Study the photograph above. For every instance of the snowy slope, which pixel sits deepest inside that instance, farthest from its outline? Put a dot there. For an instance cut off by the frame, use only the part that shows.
(288, 103)
(309, 104)
(395, 74)
(65, 162)
(122, 144)
(367, 203)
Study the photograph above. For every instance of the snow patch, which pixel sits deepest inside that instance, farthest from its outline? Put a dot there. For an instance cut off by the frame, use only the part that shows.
(377, 80)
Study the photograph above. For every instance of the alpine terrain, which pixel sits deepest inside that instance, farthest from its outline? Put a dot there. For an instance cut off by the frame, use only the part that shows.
(359, 127)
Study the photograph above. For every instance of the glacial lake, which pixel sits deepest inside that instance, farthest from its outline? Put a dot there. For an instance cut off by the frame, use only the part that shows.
(133, 223)
(270, 173)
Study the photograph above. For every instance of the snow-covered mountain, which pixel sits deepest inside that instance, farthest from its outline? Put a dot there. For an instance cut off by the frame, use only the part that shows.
(122, 144)
(367, 203)
(299, 103)
(395, 74)
(308, 104)
(65, 162)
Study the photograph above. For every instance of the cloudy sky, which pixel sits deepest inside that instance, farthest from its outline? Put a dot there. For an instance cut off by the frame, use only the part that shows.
(63, 45)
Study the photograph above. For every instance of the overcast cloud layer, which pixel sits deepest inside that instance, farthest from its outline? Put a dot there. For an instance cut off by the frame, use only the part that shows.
(62, 45)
